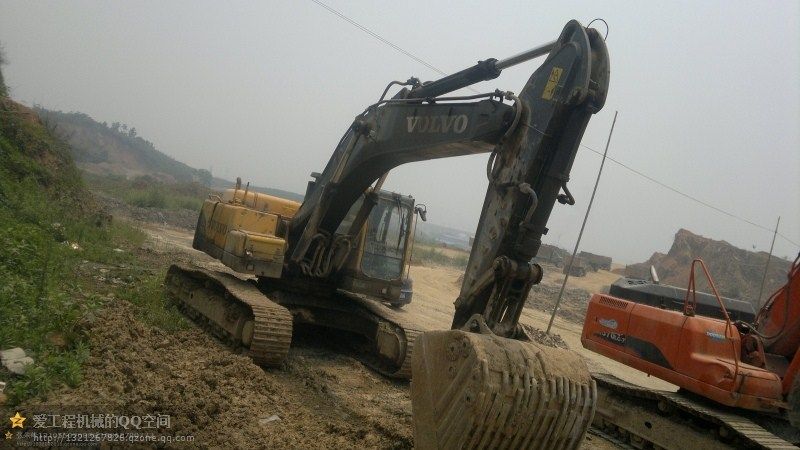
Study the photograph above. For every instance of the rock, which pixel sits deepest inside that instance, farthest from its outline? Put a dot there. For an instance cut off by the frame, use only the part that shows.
(56, 339)
(12, 353)
(15, 361)
(737, 272)
(268, 420)
(18, 366)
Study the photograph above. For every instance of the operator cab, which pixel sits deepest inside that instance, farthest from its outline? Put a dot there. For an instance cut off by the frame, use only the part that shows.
(378, 266)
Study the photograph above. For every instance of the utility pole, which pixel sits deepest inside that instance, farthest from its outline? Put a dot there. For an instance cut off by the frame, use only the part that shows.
(583, 226)
(766, 267)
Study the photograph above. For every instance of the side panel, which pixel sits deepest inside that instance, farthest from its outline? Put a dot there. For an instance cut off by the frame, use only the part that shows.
(706, 352)
(261, 202)
(690, 352)
(242, 238)
(647, 329)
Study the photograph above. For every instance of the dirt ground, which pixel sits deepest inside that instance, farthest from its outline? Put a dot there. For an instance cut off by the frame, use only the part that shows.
(321, 398)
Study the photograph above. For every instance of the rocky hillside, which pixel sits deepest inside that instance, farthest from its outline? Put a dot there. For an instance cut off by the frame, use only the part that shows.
(35, 165)
(737, 272)
(116, 149)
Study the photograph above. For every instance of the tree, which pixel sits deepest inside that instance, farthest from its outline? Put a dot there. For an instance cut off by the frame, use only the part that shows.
(204, 177)
(132, 132)
(3, 88)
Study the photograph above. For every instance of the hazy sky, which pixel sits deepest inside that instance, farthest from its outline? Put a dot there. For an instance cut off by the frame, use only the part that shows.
(707, 93)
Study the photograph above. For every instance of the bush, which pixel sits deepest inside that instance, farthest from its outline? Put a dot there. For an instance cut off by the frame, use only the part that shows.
(148, 192)
(150, 198)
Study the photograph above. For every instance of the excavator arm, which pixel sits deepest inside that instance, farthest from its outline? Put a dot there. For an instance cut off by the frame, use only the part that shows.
(529, 171)
(385, 136)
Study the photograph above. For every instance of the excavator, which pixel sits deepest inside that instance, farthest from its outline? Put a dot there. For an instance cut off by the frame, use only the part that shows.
(737, 372)
(336, 259)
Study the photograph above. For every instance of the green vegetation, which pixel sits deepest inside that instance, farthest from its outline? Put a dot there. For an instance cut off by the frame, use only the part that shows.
(147, 192)
(152, 308)
(3, 88)
(53, 244)
(425, 255)
(162, 199)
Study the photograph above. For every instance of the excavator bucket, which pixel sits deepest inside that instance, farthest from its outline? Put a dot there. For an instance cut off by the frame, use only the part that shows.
(473, 390)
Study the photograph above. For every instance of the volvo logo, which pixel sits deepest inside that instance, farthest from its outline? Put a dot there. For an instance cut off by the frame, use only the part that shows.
(437, 124)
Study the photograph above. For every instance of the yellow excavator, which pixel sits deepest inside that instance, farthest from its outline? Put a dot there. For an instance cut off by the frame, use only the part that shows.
(339, 259)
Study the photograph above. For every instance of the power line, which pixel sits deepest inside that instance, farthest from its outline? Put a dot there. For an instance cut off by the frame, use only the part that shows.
(690, 197)
(381, 38)
(385, 41)
(620, 163)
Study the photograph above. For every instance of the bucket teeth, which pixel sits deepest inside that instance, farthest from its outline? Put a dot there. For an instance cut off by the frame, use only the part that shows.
(481, 391)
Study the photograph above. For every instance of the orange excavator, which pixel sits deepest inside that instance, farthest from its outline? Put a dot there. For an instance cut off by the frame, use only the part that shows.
(746, 368)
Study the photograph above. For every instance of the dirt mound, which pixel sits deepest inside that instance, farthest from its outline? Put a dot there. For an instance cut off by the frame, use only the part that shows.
(573, 303)
(550, 340)
(223, 400)
(737, 272)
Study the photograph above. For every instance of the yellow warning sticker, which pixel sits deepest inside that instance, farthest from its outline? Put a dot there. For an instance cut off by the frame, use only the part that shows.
(552, 82)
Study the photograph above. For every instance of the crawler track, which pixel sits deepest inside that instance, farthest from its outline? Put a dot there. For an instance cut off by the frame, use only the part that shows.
(646, 417)
(245, 318)
(234, 310)
(392, 371)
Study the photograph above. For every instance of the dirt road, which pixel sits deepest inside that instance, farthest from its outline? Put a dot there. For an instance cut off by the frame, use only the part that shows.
(321, 398)
(435, 289)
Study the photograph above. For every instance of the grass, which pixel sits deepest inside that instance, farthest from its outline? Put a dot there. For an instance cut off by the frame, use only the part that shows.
(51, 245)
(46, 300)
(147, 192)
(151, 305)
(162, 198)
(425, 255)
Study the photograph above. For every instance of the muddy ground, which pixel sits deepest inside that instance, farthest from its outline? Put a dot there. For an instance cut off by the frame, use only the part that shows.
(322, 397)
